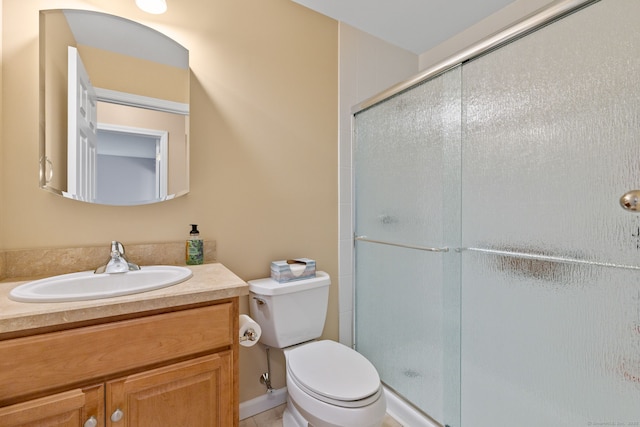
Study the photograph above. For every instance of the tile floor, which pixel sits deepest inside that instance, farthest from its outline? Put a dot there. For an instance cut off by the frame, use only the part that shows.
(273, 418)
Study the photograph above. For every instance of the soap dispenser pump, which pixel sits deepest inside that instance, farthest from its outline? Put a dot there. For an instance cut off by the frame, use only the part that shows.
(195, 247)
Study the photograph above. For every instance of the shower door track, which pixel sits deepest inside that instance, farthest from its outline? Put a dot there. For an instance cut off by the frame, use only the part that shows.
(552, 12)
(400, 245)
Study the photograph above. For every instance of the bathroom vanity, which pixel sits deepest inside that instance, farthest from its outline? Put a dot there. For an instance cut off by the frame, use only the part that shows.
(161, 358)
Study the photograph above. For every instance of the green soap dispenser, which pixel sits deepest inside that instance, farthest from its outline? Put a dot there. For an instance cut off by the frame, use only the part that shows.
(195, 247)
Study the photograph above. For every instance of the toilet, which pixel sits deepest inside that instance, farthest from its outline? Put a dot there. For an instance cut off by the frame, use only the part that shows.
(328, 383)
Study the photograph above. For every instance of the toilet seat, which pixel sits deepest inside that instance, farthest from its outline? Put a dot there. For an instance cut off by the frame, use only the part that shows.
(334, 373)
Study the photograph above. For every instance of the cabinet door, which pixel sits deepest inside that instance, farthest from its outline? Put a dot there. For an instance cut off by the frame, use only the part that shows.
(69, 409)
(195, 393)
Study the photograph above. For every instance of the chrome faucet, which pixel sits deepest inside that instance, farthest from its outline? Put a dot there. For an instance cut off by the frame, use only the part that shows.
(117, 261)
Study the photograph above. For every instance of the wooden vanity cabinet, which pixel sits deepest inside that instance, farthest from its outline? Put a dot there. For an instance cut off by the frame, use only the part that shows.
(68, 409)
(193, 393)
(168, 369)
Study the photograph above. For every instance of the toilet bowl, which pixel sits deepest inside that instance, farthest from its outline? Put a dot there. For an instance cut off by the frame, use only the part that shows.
(331, 385)
(328, 383)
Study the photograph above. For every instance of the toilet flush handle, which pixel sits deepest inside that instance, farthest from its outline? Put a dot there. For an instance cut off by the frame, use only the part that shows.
(260, 301)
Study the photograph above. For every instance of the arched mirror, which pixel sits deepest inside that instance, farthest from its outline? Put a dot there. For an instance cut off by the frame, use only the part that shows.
(114, 110)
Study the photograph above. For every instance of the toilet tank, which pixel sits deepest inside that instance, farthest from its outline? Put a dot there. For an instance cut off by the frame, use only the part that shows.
(289, 313)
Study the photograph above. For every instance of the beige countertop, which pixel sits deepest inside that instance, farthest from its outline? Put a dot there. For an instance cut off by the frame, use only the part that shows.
(210, 282)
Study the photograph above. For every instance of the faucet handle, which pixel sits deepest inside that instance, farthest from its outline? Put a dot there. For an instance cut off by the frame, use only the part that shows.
(117, 247)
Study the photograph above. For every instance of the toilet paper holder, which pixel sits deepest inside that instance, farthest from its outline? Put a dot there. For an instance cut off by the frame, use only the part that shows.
(250, 331)
(249, 335)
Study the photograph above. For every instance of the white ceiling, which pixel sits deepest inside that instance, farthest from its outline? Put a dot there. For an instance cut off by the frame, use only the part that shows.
(414, 25)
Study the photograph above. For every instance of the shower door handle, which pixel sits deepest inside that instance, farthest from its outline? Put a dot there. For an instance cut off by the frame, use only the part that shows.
(400, 245)
(631, 200)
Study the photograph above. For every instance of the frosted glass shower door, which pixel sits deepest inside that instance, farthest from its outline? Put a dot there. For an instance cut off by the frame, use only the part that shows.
(550, 278)
(407, 186)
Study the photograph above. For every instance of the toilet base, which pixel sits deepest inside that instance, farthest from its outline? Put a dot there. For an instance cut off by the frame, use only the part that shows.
(303, 410)
(292, 417)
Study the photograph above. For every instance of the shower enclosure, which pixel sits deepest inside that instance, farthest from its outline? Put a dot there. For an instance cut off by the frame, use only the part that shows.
(497, 276)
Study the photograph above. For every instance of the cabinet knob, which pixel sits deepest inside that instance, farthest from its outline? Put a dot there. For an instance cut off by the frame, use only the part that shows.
(117, 415)
(91, 422)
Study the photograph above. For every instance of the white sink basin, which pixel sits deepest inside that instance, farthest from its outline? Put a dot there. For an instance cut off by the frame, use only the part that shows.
(88, 286)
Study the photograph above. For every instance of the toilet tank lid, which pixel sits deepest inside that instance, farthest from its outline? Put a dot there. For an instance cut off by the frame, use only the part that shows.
(268, 286)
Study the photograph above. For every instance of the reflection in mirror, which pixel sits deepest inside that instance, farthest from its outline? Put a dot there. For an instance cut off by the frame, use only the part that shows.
(114, 110)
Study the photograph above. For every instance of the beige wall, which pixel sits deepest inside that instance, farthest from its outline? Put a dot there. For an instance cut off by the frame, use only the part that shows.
(263, 143)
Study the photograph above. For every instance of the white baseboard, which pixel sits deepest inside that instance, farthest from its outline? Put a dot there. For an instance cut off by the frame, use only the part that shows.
(263, 403)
